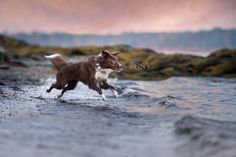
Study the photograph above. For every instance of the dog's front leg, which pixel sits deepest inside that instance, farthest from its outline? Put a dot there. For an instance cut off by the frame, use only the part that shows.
(105, 85)
(98, 89)
(92, 79)
(114, 93)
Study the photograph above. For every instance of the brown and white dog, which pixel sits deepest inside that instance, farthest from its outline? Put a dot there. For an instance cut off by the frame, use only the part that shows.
(93, 72)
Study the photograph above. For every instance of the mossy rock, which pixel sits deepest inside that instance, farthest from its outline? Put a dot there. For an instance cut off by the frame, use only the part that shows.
(224, 68)
(219, 63)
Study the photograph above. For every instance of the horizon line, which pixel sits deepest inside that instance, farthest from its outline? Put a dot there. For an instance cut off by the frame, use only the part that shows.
(127, 32)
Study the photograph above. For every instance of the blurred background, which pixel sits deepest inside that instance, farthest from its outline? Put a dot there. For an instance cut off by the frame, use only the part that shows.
(176, 92)
(200, 35)
(187, 26)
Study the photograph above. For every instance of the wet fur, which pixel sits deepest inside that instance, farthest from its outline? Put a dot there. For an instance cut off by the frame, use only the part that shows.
(93, 72)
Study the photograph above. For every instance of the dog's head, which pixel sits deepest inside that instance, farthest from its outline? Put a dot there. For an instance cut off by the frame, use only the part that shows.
(109, 60)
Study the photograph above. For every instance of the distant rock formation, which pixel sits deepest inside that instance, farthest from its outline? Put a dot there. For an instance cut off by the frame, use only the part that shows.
(2, 54)
(197, 42)
(140, 63)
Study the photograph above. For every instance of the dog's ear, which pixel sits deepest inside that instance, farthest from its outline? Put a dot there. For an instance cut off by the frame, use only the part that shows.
(105, 53)
(102, 56)
(115, 53)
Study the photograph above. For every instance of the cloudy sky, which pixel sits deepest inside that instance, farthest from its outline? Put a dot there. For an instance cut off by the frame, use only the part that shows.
(115, 16)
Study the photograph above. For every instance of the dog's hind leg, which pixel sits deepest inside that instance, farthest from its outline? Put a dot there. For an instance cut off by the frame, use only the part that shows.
(70, 86)
(55, 85)
(58, 84)
(52, 86)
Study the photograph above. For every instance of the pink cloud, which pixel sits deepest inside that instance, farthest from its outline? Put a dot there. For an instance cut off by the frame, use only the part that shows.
(112, 16)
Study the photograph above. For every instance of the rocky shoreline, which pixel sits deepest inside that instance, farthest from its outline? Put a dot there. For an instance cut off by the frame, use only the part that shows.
(140, 63)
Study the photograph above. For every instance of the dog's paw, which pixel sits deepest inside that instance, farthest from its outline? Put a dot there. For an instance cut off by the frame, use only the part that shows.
(115, 93)
(103, 97)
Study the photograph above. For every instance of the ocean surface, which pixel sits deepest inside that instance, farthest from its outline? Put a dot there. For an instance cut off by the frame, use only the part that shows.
(180, 116)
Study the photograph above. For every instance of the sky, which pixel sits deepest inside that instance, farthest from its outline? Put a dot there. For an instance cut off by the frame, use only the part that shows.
(115, 16)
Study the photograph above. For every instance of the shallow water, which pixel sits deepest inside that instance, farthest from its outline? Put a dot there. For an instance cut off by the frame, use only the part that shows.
(175, 117)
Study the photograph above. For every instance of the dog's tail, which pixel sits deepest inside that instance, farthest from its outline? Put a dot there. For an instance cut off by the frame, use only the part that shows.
(57, 60)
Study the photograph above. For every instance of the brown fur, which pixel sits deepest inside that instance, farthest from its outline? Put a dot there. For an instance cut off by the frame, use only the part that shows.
(69, 74)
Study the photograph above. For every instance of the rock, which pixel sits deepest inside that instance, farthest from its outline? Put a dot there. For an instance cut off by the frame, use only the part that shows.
(3, 55)
(4, 67)
(2, 84)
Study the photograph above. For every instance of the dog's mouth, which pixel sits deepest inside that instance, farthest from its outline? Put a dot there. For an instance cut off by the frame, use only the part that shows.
(117, 69)
(108, 67)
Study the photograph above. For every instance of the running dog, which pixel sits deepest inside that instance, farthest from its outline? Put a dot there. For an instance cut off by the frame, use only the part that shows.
(93, 72)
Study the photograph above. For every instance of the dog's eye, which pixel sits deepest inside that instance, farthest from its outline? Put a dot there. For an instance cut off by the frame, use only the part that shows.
(115, 58)
(110, 62)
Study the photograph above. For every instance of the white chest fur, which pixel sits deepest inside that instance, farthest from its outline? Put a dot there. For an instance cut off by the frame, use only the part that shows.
(102, 74)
